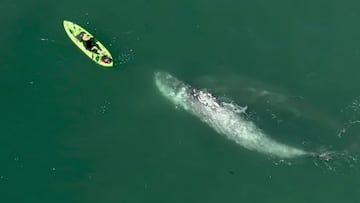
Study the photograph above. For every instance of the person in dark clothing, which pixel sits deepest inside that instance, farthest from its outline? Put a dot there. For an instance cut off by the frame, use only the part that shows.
(106, 59)
(89, 42)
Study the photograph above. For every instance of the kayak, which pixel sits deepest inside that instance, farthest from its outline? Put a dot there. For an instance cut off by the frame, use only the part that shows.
(99, 54)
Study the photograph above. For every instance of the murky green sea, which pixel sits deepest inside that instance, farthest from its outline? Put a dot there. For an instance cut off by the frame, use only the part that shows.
(74, 132)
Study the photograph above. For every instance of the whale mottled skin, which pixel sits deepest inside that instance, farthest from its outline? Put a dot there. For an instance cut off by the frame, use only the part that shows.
(223, 117)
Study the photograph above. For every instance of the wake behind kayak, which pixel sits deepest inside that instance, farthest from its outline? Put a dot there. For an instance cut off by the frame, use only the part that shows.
(94, 49)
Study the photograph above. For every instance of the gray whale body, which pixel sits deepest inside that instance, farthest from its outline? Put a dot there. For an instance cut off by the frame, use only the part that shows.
(224, 117)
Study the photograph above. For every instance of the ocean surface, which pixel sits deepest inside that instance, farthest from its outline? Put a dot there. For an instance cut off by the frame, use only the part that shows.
(74, 132)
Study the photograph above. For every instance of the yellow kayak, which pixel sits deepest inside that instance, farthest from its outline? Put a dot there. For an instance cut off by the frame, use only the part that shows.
(98, 53)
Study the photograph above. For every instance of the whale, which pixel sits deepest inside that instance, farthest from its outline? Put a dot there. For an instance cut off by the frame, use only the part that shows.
(225, 117)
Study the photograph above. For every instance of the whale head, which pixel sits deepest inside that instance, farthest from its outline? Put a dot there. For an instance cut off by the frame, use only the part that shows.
(169, 86)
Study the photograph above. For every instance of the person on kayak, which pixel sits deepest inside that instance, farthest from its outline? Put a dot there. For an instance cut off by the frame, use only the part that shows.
(106, 59)
(89, 42)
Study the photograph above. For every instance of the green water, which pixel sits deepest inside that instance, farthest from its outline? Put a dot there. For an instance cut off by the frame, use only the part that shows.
(72, 131)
